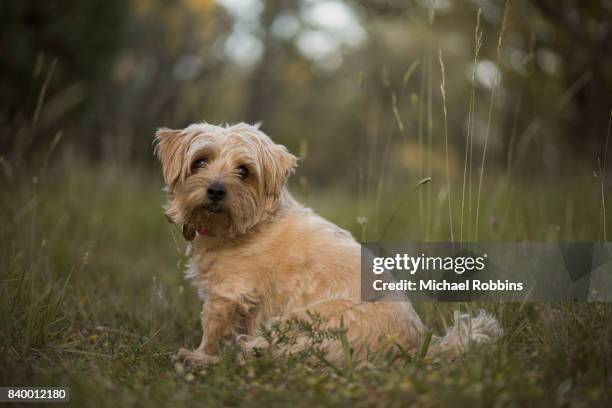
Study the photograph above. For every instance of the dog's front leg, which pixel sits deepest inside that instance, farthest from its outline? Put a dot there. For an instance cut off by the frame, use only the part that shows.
(218, 325)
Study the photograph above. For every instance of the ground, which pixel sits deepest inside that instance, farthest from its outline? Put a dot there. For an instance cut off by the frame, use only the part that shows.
(92, 296)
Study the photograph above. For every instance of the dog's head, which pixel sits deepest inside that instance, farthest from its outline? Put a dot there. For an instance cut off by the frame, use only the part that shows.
(221, 181)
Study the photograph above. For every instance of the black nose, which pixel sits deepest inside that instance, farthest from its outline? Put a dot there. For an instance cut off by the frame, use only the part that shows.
(216, 191)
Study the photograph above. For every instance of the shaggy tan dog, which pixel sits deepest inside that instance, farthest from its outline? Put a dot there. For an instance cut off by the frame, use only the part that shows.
(258, 256)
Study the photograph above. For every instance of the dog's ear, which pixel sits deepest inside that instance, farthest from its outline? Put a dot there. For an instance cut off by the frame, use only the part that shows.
(278, 165)
(170, 150)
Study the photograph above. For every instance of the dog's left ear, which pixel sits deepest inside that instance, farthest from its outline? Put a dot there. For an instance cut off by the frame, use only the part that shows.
(279, 164)
(170, 151)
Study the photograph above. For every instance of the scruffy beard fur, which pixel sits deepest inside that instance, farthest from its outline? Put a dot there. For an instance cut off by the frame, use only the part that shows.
(249, 202)
(258, 256)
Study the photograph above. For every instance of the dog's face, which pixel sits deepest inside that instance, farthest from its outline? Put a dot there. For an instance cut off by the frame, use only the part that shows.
(222, 181)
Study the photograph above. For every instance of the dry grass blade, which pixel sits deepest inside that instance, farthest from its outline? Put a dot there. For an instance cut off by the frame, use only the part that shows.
(469, 138)
(496, 80)
(399, 207)
(602, 222)
(448, 181)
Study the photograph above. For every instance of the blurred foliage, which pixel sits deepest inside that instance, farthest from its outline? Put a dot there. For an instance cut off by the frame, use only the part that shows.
(93, 297)
(350, 84)
(61, 50)
(92, 293)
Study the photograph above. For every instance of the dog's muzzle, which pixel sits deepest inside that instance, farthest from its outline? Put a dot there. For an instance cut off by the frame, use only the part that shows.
(215, 195)
(213, 208)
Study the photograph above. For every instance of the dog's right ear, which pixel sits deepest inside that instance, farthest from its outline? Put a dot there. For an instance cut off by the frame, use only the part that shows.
(170, 150)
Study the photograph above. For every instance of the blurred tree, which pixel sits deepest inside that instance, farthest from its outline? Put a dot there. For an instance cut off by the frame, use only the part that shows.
(555, 63)
(59, 50)
(168, 73)
(583, 39)
(329, 74)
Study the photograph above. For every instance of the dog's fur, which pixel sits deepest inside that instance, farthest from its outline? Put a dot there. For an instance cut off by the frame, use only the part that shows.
(259, 256)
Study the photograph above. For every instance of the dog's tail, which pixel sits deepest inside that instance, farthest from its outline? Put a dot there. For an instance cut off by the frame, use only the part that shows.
(466, 330)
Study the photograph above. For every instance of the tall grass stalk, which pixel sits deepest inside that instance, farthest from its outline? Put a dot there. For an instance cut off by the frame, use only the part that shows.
(429, 101)
(420, 132)
(421, 183)
(363, 161)
(519, 104)
(602, 220)
(43, 91)
(448, 182)
(467, 177)
(496, 81)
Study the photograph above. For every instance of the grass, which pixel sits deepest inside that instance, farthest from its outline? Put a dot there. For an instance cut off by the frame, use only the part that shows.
(92, 297)
(92, 294)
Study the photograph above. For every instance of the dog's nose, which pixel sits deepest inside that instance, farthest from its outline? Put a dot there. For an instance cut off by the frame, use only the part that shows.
(216, 191)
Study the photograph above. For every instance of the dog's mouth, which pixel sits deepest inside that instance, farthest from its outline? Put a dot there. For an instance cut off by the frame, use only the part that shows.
(213, 208)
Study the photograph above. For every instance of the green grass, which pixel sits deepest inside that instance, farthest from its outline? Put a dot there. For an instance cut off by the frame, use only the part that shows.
(92, 296)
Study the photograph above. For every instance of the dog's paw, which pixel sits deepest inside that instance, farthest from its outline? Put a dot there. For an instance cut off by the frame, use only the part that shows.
(250, 344)
(196, 358)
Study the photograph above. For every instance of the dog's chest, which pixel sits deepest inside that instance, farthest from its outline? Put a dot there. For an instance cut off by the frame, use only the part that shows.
(230, 274)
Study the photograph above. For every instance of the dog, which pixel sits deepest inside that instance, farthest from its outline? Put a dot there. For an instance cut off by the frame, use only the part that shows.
(257, 256)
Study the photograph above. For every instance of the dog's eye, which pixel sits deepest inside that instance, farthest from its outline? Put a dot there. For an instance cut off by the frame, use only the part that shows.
(198, 164)
(243, 172)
